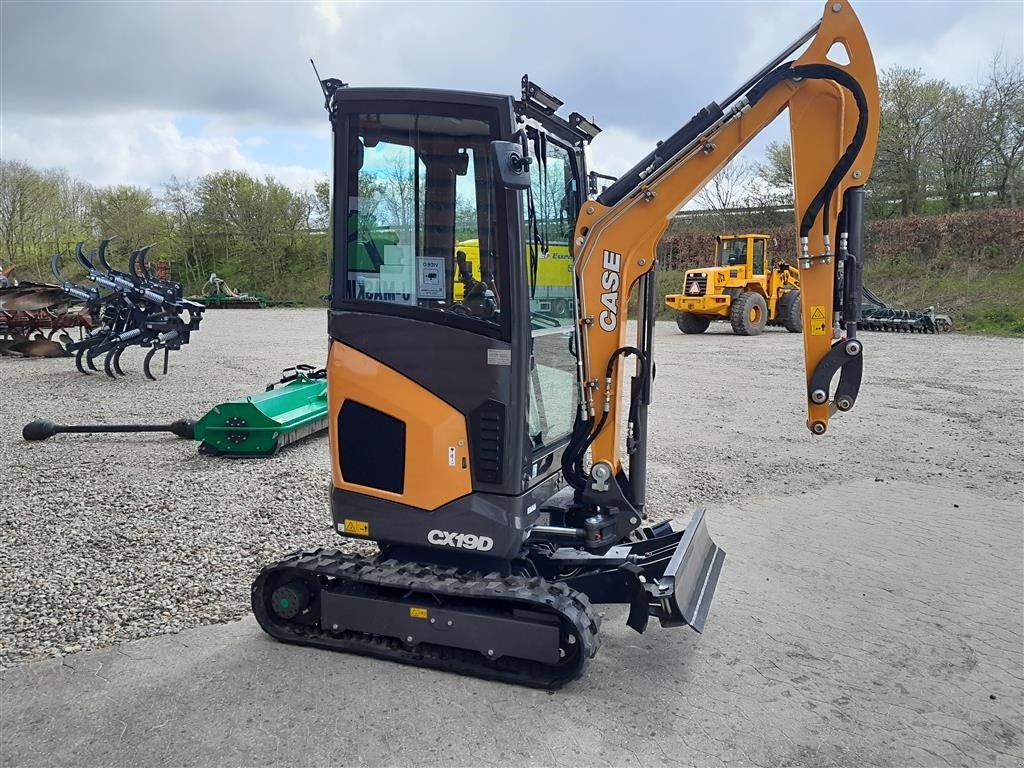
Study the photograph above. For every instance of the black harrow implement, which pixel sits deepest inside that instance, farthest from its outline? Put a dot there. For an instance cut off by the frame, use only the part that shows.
(135, 309)
(876, 315)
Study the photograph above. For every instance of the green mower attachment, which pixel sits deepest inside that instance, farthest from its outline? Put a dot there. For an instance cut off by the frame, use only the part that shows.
(259, 425)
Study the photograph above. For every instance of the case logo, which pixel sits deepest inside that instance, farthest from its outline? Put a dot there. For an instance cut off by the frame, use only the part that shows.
(460, 540)
(609, 317)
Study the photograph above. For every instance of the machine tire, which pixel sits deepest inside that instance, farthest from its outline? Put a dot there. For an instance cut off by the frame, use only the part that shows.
(560, 308)
(789, 312)
(748, 314)
(690, 323)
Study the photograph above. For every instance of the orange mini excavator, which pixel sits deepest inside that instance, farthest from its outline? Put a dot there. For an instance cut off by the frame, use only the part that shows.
(493, 451)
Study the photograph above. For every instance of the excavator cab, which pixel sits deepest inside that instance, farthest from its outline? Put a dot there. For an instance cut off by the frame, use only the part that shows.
(443, 313)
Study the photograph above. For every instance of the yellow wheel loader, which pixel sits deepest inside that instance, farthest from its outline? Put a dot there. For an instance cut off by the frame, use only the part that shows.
(743, 287)
(494, 454)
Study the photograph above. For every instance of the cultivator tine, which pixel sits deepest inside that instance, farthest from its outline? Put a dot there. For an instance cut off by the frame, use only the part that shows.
(82, 258)
(117, 360)
(108, 360)
(79, 358)
(146, 363)
(102, 254)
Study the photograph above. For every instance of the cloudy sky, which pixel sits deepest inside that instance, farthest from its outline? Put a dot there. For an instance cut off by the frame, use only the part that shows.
(134, 92)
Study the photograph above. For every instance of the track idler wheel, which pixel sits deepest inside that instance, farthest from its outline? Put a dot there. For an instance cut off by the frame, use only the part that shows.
(289, 600)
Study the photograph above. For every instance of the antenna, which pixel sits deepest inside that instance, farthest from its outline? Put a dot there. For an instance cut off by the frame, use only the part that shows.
(328, 86)
(327, 96)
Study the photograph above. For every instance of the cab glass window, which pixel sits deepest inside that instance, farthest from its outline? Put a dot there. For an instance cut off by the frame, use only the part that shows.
(759, 257)
(550, 210)
(732, 252)
(421, 215)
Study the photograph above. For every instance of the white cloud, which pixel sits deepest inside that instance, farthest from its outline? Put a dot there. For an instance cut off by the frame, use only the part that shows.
(143, 148)
(618, 149)
(963, 52)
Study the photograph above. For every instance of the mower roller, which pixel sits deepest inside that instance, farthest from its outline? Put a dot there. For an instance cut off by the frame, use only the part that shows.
(259, 425)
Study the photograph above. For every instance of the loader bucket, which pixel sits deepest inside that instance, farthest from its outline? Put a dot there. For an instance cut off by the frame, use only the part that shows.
(261, 424)
(687, 586)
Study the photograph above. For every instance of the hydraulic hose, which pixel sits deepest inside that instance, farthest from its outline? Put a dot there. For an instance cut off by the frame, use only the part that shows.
(580, 442)
(846, 80)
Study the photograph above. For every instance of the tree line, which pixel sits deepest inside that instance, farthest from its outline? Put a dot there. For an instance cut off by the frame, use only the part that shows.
(942, 148)
(258, 233)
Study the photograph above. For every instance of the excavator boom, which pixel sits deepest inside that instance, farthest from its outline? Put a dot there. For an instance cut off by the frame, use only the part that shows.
(833, 112)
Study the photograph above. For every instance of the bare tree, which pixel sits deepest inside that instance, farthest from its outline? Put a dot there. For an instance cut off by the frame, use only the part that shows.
(959, 145)
(1001, 101)
(729, 188)
(910, 116)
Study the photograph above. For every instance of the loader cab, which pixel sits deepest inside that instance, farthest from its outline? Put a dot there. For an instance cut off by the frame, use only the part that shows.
(748, 251)
(435, 306)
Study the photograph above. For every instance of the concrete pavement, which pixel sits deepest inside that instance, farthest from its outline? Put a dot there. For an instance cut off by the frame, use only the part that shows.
(872, 623)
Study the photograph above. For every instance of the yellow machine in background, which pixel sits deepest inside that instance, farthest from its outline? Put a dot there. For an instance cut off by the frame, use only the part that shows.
(743, 287)
(553, 293)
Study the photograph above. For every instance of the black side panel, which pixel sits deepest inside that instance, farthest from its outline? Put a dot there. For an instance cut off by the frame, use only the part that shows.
(371, 447)
(504, 520)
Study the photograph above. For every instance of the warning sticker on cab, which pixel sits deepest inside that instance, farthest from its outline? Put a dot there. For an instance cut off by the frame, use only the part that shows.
(418, 613)
(819, 328)
(818, 312)
(357, 527)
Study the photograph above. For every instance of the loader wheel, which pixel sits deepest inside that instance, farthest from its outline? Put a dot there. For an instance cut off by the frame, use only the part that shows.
(690, 323)
(748, 314)
(789, 312)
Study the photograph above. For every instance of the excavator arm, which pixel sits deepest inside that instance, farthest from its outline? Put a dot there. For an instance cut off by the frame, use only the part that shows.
(833, 111)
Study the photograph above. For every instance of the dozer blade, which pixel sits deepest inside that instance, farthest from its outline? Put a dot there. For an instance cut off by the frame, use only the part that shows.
(687, 587)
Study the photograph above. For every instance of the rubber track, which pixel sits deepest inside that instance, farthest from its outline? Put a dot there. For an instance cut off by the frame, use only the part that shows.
(493, 592)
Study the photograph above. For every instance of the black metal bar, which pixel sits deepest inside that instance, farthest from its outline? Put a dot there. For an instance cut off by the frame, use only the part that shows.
(853, 208)
(41, 429)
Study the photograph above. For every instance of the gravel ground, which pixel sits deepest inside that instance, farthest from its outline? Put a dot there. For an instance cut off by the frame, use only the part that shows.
(110, 539)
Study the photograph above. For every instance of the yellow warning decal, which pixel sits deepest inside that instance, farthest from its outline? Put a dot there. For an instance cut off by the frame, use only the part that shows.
(818, 312)
(357, 527)
(818, 328)
(418, 613)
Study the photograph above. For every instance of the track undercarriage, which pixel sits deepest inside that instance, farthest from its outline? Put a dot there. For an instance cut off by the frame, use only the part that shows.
(533, 625)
